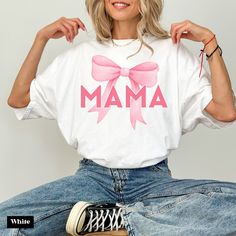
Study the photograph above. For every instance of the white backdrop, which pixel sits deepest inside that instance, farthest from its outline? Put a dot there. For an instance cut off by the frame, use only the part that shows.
(34, 152)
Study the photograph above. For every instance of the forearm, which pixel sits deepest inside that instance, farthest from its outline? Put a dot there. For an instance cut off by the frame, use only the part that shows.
(221, 85)
(19, 95)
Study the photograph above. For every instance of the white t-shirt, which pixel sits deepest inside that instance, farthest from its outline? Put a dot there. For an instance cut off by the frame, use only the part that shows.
(139, 107)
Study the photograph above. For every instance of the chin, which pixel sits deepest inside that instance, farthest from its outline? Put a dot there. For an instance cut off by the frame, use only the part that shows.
(120, 17)
(122, 10)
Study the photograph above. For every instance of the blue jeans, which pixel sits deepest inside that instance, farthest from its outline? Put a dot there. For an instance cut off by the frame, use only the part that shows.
(154, 202)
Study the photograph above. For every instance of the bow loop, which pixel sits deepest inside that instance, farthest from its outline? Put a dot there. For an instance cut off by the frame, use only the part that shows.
(145, 74)
(104, 69)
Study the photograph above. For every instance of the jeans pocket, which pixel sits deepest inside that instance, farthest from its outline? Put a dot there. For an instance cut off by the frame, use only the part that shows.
(166, 204)
(229, 189)
(53, 212)
(51, 222)
(161, 205)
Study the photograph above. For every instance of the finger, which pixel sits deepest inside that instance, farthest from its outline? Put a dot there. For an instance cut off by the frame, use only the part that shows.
(185, 35)
(175, 30)
(64, 30)
(80, 23)
(174, 25)
(74, 25)
(69, 28)
(180, 32)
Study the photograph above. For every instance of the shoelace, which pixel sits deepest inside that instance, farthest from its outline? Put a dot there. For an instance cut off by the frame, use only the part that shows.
(93, 224)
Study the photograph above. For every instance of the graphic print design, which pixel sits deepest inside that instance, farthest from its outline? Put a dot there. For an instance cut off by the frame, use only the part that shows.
(144, 74)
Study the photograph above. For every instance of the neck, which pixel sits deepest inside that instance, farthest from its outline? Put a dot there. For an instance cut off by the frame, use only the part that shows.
(125, 29)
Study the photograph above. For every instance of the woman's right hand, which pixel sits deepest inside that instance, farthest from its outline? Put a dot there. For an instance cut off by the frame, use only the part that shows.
(67, 27)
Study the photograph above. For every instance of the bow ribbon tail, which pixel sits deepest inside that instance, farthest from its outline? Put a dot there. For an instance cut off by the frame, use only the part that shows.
(102, 111)
(135, 107)
(135, 113)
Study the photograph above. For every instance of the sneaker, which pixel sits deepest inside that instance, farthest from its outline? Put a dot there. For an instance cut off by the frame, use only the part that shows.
(86, 218)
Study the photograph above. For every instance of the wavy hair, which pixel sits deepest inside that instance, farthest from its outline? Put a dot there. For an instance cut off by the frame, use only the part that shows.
(150, 12)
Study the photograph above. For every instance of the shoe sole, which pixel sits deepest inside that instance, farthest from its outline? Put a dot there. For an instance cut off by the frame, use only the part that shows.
(75, 217)
(109, 233)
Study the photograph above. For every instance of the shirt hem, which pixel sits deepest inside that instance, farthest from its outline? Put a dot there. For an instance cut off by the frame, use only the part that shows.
(149, 162)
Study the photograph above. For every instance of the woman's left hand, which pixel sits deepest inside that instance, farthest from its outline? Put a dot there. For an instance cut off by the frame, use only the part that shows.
(191, 31)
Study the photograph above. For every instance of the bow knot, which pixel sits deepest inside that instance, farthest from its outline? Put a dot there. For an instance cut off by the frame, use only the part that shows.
(124, 71)
(104, 69)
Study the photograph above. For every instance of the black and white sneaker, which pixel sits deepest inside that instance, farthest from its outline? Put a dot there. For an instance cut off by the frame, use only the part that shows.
(86, 218)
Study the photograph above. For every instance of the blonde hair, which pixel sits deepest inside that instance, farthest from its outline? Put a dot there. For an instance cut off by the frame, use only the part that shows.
(150, 12)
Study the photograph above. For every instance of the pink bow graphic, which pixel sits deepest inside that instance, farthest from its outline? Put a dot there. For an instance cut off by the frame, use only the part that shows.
(104, 69)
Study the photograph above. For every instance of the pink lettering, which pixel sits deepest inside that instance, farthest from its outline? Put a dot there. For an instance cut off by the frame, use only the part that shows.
(114, 100)
(113, 94)
(158, 94)
(130, 93)
(96, 93)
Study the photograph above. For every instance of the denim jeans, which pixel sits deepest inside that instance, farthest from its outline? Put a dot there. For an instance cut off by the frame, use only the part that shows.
(154, 202)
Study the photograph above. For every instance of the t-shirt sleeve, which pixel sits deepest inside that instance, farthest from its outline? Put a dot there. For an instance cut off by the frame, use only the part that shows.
(43, 97)
(195, 92)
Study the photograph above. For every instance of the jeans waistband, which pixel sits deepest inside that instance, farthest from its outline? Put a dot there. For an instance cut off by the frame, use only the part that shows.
(90, 162)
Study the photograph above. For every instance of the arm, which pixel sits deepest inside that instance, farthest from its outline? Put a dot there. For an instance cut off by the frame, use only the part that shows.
(19, 96)
(222, 105)
(20, 93)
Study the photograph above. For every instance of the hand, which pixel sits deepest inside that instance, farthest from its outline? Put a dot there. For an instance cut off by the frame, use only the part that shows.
(191, 31)
(61, 27)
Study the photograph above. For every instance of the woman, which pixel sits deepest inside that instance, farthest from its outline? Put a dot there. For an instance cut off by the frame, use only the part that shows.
(123, 100)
